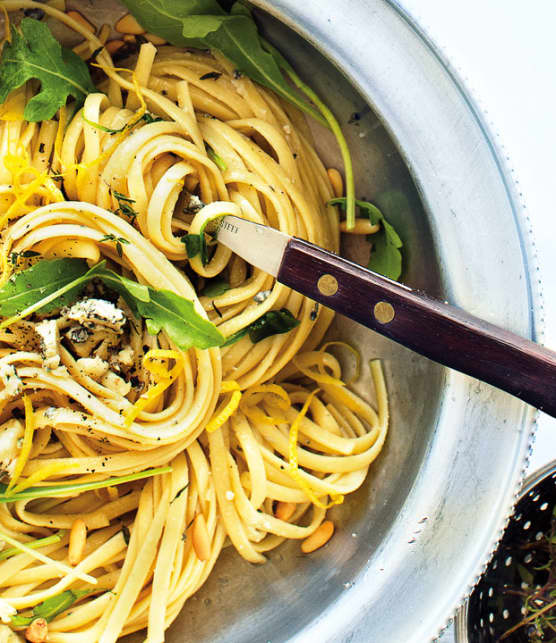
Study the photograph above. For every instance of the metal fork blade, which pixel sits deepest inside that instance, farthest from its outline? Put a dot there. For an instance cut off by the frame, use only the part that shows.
(259, 245)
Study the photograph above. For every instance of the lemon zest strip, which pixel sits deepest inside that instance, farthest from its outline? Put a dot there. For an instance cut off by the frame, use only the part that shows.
(160, 371)
(227, 409)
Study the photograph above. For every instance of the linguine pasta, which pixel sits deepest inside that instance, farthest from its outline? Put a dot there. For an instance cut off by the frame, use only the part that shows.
(258, 439)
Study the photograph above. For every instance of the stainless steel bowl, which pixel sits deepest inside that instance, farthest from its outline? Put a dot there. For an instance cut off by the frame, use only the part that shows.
(413, 540)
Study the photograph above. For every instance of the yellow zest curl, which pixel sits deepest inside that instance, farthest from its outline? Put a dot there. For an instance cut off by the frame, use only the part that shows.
(158, 370)
(227, 408)
(41, 186)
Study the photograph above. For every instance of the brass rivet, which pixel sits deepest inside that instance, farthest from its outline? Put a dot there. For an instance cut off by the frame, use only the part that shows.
(327, 285)
(384, 312)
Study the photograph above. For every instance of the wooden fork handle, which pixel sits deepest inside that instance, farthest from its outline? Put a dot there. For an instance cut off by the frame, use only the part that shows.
(436, 330)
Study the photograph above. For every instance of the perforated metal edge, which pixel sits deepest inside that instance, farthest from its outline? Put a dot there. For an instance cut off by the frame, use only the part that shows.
(461, 630)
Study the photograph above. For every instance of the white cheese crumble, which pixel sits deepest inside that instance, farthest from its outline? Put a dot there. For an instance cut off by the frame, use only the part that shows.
(94, 367)
(230, 495)
(261, 296)
(116, 383)
(50, 338)
(96, 311)
(13, 386)
(10, 434)
(126, 356)
(6, 611)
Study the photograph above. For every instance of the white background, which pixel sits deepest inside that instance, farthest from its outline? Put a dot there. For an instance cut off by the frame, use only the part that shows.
(505, 52)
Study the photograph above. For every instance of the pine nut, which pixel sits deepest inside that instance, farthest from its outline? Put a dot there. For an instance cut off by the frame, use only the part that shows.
(362, 226)
(318, 538)
(128, 24)
(37, 631)
(80, 18)
(77, 539)
(112, 46)
(285, 510)
(200, 538)
(156, 40)
(336, 182)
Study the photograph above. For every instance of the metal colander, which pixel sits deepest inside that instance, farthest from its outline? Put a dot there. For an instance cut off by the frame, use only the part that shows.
(518, 566)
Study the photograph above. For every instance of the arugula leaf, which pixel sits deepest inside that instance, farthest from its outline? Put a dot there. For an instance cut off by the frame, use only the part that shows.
(51, 607)
(192, 244)
(179, 320)
(39, 281)
(162, 309)
(273, 322)
(196, 243)
(204, 24)
(215, 287)
(35, 53)
(386, 258)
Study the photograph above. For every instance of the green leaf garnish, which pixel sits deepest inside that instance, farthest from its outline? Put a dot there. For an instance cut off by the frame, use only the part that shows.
(215, 287)
(204, 24)
(148, 118)
(168, 311)
(125, 205)
(103, 128)
(216, 158)
(192, 244)
(41, 280)
(386, 258)
(51, 607)
(34, 53)
(197, 244)
(122, 197)
(70, 489)
(162, 309)
(118, 241)
(34, 544)
(273, 322)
